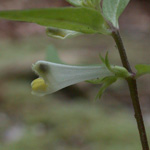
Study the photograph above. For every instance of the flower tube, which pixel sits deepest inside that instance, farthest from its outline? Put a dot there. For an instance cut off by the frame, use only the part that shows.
(53, 76)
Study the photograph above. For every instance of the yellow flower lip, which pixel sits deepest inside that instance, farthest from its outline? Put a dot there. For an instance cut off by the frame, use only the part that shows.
(39, 85)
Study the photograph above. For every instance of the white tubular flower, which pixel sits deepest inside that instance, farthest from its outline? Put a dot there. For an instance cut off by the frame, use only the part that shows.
(53, 76)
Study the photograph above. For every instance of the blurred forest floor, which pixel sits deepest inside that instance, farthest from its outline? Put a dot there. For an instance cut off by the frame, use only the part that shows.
(70, 119)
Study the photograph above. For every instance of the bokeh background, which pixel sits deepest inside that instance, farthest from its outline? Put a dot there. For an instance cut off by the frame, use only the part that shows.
(70, 119)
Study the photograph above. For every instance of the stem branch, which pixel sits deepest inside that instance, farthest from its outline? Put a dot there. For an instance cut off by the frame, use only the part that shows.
(133, 89)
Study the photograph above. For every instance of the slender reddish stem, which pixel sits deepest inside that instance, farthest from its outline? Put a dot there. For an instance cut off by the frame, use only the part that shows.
(133, 89)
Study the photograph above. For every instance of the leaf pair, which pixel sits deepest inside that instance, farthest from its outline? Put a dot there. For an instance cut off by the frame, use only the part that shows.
(87, 18)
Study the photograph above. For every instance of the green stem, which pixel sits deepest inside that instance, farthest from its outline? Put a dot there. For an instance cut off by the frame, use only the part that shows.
(133, 89)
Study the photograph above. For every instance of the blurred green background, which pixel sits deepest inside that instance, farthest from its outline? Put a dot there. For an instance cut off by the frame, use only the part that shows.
(70, 119)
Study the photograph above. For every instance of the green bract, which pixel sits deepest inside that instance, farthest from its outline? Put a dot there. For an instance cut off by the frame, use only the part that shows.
(106, 82)
(84, 20)
(112, 9)
(118, 71)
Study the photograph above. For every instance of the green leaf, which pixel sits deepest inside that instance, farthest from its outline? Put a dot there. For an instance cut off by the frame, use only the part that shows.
(83, 20)
(52, 55)
(142, 69)
(112, 9)
(61, 33)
